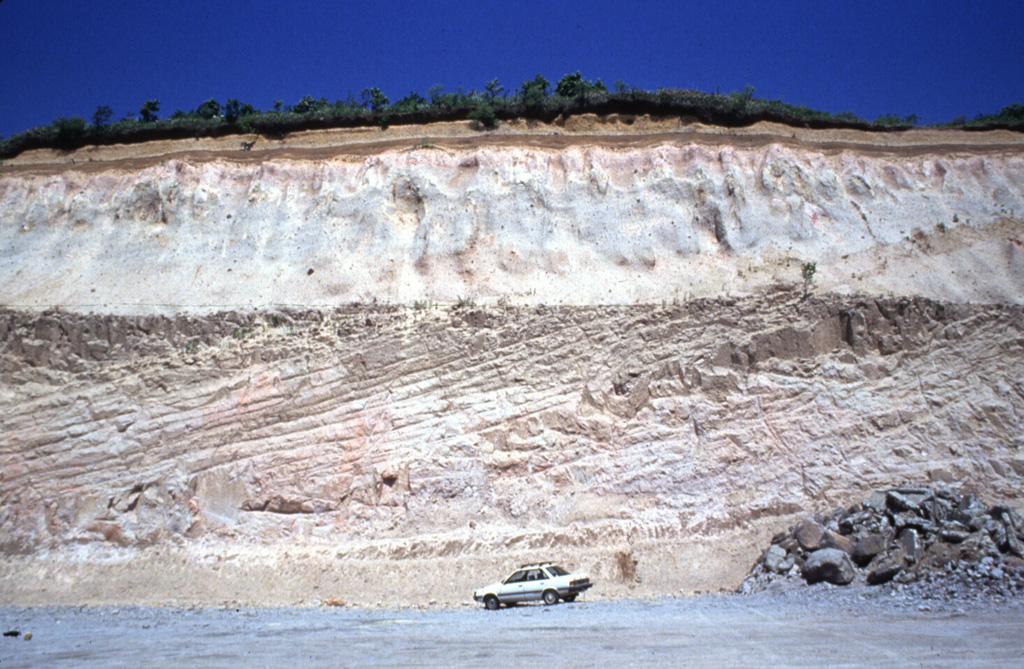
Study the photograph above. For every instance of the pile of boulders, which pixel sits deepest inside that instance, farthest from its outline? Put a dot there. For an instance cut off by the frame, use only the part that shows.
(939, 539)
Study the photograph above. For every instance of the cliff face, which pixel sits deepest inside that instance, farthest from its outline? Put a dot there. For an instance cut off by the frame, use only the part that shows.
(195, 454)
(668, 219)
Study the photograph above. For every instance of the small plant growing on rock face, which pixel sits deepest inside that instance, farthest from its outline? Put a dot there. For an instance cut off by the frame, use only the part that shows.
(627, 566)
(483, 116)
(807, 272)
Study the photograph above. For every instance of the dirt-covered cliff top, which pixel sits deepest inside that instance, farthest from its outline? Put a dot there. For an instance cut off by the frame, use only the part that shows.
(611, 131)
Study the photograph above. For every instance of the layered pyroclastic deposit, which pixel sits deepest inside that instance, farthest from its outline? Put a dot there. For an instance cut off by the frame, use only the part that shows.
(384, 369)
(662, 216)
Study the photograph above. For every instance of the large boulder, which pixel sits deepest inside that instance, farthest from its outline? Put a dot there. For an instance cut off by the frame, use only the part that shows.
(828, 564)
(832, 540)
(810, 535)
(911, 544)
(867, 547)
(884, 573)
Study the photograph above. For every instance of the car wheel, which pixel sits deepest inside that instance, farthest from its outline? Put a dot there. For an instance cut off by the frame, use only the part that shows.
(570, 598)
(491, 602)
(550, 597)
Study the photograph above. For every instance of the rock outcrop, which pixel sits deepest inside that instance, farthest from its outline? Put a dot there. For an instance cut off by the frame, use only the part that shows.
(661, 217)
(392, 433)
(432, 361)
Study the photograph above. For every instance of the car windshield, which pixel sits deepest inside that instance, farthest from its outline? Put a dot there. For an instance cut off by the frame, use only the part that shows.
(557, 571)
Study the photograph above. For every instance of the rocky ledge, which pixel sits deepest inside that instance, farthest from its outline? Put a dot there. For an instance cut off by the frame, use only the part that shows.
(924, 542)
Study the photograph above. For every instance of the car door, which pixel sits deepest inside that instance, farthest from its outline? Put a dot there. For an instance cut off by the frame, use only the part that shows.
(533, 585)
(513, 587)
(543, 582)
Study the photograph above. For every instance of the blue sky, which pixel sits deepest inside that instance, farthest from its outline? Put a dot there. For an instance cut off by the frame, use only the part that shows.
(938, 59)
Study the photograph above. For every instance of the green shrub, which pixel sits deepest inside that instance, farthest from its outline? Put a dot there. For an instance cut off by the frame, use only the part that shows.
(534, 92)
(807, 271)
(69, 131)
(895, 120)
(571, 86)
(148, 110)
(741, 99)
(374, 98)
(483, 115)
(411, 102)
(208, 109)
(102, 116)
(231, 110)
(493, 88)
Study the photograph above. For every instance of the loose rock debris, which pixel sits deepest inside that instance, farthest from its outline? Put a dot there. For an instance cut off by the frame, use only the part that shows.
(933, 543)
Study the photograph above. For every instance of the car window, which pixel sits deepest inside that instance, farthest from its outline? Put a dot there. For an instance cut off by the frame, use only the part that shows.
(516, 577)
(557, 571)
(536, 575)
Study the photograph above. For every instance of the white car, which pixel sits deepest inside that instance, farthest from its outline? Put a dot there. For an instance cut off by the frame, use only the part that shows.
(531, 582)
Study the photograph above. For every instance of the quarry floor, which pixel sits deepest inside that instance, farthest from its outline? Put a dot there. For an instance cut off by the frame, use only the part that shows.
(830, 627)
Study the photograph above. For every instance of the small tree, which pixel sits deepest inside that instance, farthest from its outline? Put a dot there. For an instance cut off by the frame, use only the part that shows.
(741, 99)
(483, 115)
(374, 98)
(304, 105)
(411, 102)
(576, 87)
(807, 272)
(493, 88)
(70, 131)
(208, 109)
(102, 116)
(571, 86)
(534, 92)
(148, 110)
(1012, 114)
(231, 108)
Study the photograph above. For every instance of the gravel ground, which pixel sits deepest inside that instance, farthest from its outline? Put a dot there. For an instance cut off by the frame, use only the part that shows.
(782, 626)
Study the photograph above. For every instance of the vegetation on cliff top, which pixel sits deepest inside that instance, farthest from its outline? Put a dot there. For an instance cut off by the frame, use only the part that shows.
(535, 99)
